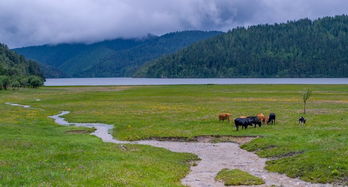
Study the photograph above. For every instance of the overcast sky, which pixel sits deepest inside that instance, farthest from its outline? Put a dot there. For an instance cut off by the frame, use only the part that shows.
(34, 22)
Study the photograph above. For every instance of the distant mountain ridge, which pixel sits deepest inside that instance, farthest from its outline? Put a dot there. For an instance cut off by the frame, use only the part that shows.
(113, 58)
(302, 48)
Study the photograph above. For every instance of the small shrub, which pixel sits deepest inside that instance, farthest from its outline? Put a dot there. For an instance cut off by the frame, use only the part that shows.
(24, 81)
(4, 82)
(15, 84)
(35, 81)
(306, 95)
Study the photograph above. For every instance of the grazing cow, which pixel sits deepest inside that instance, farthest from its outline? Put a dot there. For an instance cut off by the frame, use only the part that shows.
(224, 116)
(244, 122)
(261, 117)
(266, 119)
(302, 121)
(248, 121)
(271, 119)
(254, 120)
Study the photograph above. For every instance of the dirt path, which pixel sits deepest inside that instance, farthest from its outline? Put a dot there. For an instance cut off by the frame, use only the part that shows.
(214, 157)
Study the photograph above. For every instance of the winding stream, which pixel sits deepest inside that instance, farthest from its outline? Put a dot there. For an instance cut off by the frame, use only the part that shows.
(214, 157)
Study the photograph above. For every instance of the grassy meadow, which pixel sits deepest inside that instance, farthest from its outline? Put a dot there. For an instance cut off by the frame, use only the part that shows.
(36, 151)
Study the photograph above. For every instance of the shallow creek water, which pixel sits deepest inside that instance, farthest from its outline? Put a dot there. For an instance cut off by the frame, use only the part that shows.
(214, 157)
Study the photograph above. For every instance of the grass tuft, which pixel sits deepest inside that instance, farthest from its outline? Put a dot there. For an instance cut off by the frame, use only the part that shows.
(236, 177)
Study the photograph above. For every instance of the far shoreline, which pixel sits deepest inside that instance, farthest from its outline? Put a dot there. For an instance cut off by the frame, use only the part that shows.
(128, 81)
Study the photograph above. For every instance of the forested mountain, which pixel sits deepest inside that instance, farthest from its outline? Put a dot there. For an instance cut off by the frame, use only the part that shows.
(114, 58)
(302, 48)
(51, 71)
(63, 60)
(16, 71)
(126, 62)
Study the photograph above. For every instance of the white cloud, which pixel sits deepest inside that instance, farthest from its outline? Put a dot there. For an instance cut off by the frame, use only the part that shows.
(32, 22)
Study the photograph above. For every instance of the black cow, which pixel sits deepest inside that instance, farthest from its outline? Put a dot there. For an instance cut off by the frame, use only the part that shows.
(254, 120)
(302, 120)
(271, 118)
(244, 122)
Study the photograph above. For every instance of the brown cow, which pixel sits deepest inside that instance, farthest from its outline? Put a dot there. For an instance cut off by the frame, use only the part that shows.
(266, 119)
(224, 116)
(261, 117)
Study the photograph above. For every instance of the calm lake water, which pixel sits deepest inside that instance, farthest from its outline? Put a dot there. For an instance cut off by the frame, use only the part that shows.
(152, 81)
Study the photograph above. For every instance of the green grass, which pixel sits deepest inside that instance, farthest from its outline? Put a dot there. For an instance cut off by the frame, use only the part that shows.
(236, 177)
(37, 152)
(317, 152)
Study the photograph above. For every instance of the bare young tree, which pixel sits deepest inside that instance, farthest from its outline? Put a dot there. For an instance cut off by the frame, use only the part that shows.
(306, 95)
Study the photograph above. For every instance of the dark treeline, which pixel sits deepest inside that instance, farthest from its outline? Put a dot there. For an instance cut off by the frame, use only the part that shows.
(16, 71)
(301, 48)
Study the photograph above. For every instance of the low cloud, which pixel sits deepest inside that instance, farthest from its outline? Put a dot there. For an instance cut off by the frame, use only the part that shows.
(34, 22)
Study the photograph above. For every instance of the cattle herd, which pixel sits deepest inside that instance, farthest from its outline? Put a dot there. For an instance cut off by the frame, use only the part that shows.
(245, 121)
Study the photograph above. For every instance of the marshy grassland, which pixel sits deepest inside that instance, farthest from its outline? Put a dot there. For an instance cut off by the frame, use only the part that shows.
(36, 151)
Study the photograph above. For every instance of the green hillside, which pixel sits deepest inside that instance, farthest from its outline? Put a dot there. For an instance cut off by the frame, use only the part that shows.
(126, 62)
(302, 48)
(16, 71)
(64, 59)
(114, 58)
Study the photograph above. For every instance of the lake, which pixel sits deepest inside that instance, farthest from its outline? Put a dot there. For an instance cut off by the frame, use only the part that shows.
(160, 81)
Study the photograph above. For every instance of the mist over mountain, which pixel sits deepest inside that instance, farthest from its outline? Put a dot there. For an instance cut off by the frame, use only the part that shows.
(38, 22)
(112, 58)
